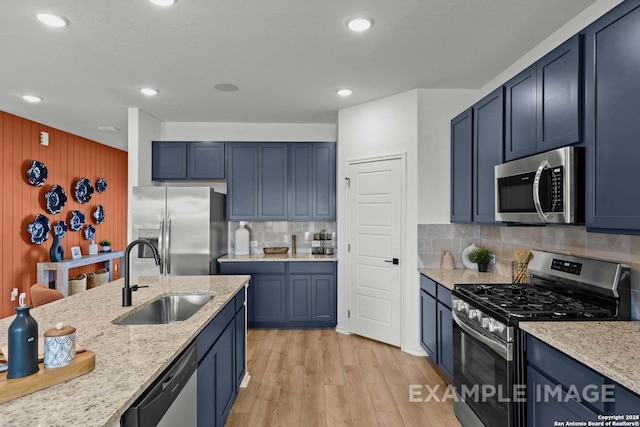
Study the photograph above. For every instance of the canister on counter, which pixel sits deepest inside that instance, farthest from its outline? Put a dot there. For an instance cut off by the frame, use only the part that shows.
(59, 346)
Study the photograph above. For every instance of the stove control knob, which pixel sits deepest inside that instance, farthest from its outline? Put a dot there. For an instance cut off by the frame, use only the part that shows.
(493, 325)
(465, 306)
(485, 323)
(473, 313)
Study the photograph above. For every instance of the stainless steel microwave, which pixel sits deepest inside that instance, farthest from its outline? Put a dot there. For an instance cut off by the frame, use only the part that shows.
(540, 189)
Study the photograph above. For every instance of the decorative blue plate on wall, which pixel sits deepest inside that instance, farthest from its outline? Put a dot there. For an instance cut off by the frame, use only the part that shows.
(77, 220)
(56, 199)
(37, 173)
(89, 232)
(84, 191)
(101, 185)
(39, 229)
(60, 228)
(98, 214)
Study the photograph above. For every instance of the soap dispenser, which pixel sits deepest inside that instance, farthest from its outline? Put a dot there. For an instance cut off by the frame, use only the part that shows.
(23, 343)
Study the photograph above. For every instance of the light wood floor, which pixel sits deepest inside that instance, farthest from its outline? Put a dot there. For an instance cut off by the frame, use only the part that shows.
(323, 378)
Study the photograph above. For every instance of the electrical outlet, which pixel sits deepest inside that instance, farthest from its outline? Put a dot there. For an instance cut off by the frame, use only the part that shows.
(115, 267)
(14, 294)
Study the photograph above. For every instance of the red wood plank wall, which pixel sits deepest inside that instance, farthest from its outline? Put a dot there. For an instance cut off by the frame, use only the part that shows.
(67, 158)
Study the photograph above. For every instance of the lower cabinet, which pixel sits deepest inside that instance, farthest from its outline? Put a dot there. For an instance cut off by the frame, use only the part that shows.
(221, 368)
(561, 388)
(436, 328)
(289, 294)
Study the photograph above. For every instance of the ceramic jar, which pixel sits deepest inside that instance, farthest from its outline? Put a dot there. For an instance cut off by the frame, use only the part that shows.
(59, 346)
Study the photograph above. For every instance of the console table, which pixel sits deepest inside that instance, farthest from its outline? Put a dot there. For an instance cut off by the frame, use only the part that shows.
(60, 269)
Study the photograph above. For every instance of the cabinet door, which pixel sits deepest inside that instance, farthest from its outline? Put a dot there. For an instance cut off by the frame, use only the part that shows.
(268, 298)
(612, 102)
(428, 325)
(559, 87)
(520, 123)
(445, 339)
(462, 167)
(627, 402)
(488, 121)
(216, 381)
(240, 346)
(299, 298)
(323, 298)
(242, 181)
(206, 160)
(324, 181)
(168, 160)
(300, 182)
(272, 182)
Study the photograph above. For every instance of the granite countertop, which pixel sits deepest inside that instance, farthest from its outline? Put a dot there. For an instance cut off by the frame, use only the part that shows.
(610, 348)
(449, 278)
(128, 358)
(277, 257)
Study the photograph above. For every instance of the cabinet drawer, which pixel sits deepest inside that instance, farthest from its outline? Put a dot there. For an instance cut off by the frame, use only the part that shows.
(564, 369)
(444, 295)
(427, 285)
(252, 267)
(212, 331)
(315, 267)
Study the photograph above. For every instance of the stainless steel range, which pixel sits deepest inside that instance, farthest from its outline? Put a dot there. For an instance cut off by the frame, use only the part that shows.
(489, 353)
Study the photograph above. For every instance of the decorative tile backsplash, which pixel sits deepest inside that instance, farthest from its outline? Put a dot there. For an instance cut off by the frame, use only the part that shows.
(275, 233)
(503, 241)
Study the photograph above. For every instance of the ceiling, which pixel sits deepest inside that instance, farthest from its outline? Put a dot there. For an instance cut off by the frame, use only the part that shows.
(287, 56)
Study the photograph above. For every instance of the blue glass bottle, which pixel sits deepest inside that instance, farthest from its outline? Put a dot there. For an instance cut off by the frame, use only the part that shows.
(23, 343)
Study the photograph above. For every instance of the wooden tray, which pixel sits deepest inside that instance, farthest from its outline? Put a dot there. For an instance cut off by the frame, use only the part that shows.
(13, 388)
(276, 250)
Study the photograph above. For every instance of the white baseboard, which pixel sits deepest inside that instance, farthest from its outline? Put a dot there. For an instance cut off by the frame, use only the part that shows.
(414, 351)
(342, 331)
(245, 380)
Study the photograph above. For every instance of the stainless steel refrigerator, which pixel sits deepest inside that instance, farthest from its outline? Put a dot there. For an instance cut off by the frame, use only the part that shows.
(187, 225)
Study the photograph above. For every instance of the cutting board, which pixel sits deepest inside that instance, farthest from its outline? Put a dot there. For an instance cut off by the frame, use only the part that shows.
(13, 388)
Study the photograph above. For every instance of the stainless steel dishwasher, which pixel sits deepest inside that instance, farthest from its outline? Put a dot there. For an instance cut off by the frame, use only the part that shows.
(172, 399)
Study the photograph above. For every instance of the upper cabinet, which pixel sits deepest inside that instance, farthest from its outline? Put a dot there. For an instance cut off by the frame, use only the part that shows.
(612, 102)
(488, 144)
(184, 160)
(290, 181)
(462, 167)
(543, 103)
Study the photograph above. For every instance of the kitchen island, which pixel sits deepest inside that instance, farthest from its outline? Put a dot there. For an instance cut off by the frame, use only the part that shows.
(128, 358)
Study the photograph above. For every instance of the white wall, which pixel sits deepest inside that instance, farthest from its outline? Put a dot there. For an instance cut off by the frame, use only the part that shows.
(285, 132)
(384, 127)
(436, 108)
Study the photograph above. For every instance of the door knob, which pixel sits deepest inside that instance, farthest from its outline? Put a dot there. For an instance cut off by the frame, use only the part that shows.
(395, 261)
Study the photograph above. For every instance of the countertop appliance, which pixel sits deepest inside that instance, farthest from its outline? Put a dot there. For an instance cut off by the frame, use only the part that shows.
(488, 346)
(172, 399)
(540, 189)
(187, 225)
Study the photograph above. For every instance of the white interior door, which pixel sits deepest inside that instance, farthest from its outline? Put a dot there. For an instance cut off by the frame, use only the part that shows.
(375, 239)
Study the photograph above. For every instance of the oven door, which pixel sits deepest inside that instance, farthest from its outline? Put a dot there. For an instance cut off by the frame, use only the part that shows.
(483, 378)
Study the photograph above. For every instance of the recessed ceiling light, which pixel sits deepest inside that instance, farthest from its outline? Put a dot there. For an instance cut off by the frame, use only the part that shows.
(31, 98)
(359, 24)
(163, 2)
(149, 91)
(344, 92)
(226, 87)
(51, 20)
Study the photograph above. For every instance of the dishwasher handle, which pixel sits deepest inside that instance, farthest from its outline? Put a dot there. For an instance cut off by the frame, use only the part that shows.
(149, 409)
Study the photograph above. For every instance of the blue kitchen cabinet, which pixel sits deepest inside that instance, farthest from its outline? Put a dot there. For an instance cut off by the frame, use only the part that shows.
(324, 299)
(222, 352)
(462, 167)
(551, 375)
(436, 324)
(312, 181)
(242, 181)
(612, 102)
(542, 103)
(168, 161)
(273, 182)
(205, 160)
(269, 298)
(299, 295)
(186, 160)
(488, 146)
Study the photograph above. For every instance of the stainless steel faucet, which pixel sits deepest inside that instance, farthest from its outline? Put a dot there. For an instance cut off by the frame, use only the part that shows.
(126, 291)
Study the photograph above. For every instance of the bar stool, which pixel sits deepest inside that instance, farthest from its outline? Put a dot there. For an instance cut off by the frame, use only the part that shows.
(41, 295)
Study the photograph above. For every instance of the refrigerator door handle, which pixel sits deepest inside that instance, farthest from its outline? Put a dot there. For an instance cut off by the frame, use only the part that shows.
(168, 249)
(161, 244)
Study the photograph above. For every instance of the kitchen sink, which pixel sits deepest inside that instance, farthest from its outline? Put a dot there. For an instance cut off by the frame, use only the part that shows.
(168, 309)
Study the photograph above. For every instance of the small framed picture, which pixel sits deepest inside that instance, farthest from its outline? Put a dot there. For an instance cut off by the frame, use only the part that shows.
(75, 252)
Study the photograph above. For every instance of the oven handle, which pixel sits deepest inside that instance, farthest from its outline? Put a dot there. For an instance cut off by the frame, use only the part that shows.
(536, 190)
(502, 350)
